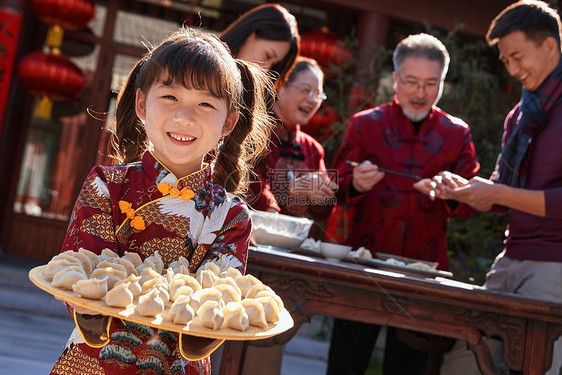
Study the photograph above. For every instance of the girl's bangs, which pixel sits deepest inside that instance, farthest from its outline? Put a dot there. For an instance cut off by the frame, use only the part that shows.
(197, 68)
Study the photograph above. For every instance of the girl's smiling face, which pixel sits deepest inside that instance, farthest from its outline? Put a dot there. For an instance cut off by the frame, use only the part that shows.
(182, 124)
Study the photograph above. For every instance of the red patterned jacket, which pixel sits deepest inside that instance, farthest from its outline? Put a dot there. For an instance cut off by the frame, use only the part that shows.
(393, 217)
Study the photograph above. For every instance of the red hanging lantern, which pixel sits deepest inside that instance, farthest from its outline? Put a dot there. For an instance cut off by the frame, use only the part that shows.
(319, 126)
(63, 15)
(68, 14)
(325, 47)
(51, 77)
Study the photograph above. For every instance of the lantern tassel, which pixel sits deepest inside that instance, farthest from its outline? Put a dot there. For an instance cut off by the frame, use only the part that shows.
(55, 35)
(43, 108)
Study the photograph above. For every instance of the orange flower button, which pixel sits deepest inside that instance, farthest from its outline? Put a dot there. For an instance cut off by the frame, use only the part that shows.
(164, 188)
(138, 223)
(187, 194)
(124, 206)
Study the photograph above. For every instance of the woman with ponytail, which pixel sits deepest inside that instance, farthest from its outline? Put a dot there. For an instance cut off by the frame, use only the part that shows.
(267, 35)
(190, 120)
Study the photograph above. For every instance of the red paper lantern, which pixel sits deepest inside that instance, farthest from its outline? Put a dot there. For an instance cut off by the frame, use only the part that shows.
(324, 47)
(319, 126)
(63, 15)
(68, 14)
(51, 77)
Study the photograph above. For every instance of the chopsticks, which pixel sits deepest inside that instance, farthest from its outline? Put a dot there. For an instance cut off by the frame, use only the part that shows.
(355, 164)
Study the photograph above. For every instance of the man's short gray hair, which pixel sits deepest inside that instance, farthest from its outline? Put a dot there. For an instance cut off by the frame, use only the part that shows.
(421, 45)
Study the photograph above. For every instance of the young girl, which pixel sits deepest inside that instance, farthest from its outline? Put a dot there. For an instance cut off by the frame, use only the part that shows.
(187, 101)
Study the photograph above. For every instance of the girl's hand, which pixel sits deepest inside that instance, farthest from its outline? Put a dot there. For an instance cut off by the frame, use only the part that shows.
(365, 176)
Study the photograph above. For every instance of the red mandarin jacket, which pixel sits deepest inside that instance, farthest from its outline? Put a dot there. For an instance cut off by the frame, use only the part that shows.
(393, 217)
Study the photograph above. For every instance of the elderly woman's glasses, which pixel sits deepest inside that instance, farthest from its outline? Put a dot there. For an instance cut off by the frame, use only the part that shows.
(314, 94)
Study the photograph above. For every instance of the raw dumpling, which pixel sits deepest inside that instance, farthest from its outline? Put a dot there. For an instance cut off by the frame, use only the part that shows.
(190, 281)
(113, 275)
(180, 312)
(210, 315)
(170, 275)
(180, 266)
(65, 278)
(276, 298)
(270, 308)
(253, 292)
(229, 281)
(154, 283)
(207, 278)
(158, 262)
(210, 294)
(119, 296)
(229, 294)
(113, 263)
(184, 290)
(175, 284)
(128, 265)
(211, 266)
(83, 259)
(194, 301)
(149, 274)
(231, 272)
(235, 316)
(107, 254)
(58, 264)
(246, 282)
(93, 257)
(133, 258)
(134, 285)
(256, 313)
(150, 304)
(162, 291)
(145, 264)
(91, 288)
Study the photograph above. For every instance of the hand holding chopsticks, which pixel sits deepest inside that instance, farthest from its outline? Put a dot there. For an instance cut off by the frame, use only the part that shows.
(355, 164)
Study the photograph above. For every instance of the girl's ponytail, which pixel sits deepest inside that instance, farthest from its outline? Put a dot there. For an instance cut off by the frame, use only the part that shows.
(129, 139)
(249, 139)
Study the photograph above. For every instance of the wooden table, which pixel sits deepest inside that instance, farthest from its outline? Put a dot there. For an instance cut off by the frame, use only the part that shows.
(311, 285)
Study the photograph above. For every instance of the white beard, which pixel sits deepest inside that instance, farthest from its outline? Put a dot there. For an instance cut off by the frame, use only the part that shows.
(415, 117)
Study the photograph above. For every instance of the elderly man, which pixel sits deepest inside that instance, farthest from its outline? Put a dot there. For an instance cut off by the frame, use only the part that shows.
(527, 181)
(412, 136)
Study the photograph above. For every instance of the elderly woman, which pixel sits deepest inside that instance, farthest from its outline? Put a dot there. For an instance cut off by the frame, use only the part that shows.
(292, 178)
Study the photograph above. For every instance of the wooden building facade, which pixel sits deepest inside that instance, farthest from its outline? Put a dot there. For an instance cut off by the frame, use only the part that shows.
(44, 162)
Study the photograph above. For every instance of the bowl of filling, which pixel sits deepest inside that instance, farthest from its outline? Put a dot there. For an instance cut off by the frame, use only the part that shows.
(334, 252)
(278, 230)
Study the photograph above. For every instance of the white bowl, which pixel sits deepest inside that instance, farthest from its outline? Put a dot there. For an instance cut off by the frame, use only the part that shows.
(334, 251)
(283, 231)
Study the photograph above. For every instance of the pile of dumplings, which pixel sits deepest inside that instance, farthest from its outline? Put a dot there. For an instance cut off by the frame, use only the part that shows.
(214, 297)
